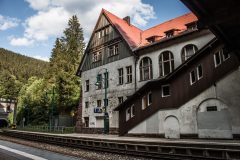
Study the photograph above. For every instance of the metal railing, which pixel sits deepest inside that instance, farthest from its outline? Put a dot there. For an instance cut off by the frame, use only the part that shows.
(53, 129)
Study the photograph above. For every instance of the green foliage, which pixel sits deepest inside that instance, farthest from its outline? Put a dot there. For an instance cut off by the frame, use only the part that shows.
(64, 61)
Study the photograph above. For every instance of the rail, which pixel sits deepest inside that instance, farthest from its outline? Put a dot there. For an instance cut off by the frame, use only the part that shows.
(200, 151)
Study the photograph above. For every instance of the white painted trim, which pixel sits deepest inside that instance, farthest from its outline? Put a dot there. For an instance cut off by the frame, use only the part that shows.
(22, 153)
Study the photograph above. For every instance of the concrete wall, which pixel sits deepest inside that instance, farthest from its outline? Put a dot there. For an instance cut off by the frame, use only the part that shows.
(193, 118)
(199, 39)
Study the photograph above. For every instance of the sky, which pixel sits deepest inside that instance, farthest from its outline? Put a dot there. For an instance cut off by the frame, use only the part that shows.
(30, 27)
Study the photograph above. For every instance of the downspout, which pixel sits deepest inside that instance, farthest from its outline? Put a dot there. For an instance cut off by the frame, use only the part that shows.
(136, 57)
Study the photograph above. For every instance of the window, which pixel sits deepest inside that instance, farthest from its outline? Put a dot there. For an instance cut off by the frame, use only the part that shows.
(199, 72)
(113, 50)
(166, 63)
(149, 98)
(192, 77)
(169, 33)
(225, 54)
(191, 26)
(211, 108)
(86, 104)
(99, 103)
(99, 79)
(102, 32)
(129, 74)
(120, 76)
(86, 120)
(145, 69)
(220, 56)
(86, 85)
(188, 51)
(146, 100)
(120, 100)
(97, 56)
(110, 51)
(217, 58)
(130, 112)
(165, 90)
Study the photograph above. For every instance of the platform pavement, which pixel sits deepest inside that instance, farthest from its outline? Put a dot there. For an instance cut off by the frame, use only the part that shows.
(146, 139)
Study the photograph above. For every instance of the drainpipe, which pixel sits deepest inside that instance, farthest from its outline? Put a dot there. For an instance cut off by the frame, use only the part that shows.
(135, 71)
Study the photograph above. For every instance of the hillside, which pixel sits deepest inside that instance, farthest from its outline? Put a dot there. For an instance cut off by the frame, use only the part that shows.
(20, 66)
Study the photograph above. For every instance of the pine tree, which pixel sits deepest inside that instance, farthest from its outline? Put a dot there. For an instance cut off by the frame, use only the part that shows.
(65, 59)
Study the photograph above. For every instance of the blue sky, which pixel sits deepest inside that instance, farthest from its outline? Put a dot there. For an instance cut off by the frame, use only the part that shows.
(30, 27)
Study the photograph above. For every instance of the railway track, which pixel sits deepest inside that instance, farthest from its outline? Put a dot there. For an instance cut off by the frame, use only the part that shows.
(154, 150)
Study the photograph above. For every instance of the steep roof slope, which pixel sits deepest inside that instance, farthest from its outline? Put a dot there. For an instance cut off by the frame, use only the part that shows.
(136, 37)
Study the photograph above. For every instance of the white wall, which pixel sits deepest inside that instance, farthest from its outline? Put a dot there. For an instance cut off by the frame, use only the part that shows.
(200, 40)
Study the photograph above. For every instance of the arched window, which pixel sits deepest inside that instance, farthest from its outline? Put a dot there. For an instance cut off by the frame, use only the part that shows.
(145, 69)
(166, 63)
(188, 51)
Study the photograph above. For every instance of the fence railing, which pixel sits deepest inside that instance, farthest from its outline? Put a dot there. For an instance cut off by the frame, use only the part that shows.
(53, 129)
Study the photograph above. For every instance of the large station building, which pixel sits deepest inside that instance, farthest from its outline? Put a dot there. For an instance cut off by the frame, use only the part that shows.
(173, 80)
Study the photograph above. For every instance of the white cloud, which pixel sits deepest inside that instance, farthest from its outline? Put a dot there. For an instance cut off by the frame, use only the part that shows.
(7, 22)
(52, 15)
(41, 58)
(20, 41)
(38, 4)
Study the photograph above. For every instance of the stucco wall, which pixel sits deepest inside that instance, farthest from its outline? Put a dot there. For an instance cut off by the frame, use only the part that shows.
(199, 39)
(227, 90)
(113, 92)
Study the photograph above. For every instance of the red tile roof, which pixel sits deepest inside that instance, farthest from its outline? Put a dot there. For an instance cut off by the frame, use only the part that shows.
(136, 37)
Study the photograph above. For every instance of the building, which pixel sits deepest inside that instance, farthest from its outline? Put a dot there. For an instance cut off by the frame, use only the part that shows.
(6, 107)
(130, 58)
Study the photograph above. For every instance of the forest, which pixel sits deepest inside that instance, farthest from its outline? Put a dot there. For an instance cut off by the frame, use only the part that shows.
(38, 85)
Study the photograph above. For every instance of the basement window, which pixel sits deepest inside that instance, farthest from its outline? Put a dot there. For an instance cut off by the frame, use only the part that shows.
(211, 108)
(165, 90)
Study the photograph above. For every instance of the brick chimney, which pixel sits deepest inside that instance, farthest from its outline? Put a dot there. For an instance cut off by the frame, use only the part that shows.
(127, 19)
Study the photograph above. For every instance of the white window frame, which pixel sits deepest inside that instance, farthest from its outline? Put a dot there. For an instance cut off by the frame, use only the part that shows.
(167, 85)
(162, 63)
(116, 49)
(198, 76)
(185, 53)
(143, 102)
(223, 57)
(128, 113)
(132, 113)
(148, 102)
(149, 67)
(190, 76)
(215, 61)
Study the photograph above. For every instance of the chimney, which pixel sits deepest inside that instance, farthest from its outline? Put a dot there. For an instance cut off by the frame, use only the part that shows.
(127, 19)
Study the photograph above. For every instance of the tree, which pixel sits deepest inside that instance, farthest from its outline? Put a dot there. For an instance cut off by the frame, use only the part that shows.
(64, 61)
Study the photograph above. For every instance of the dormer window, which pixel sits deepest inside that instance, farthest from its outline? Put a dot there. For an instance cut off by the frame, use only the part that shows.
(169, 33)
(191, 26)
(152, 38)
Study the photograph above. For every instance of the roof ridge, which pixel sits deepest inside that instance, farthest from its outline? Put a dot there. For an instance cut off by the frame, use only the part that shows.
(131, 25)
